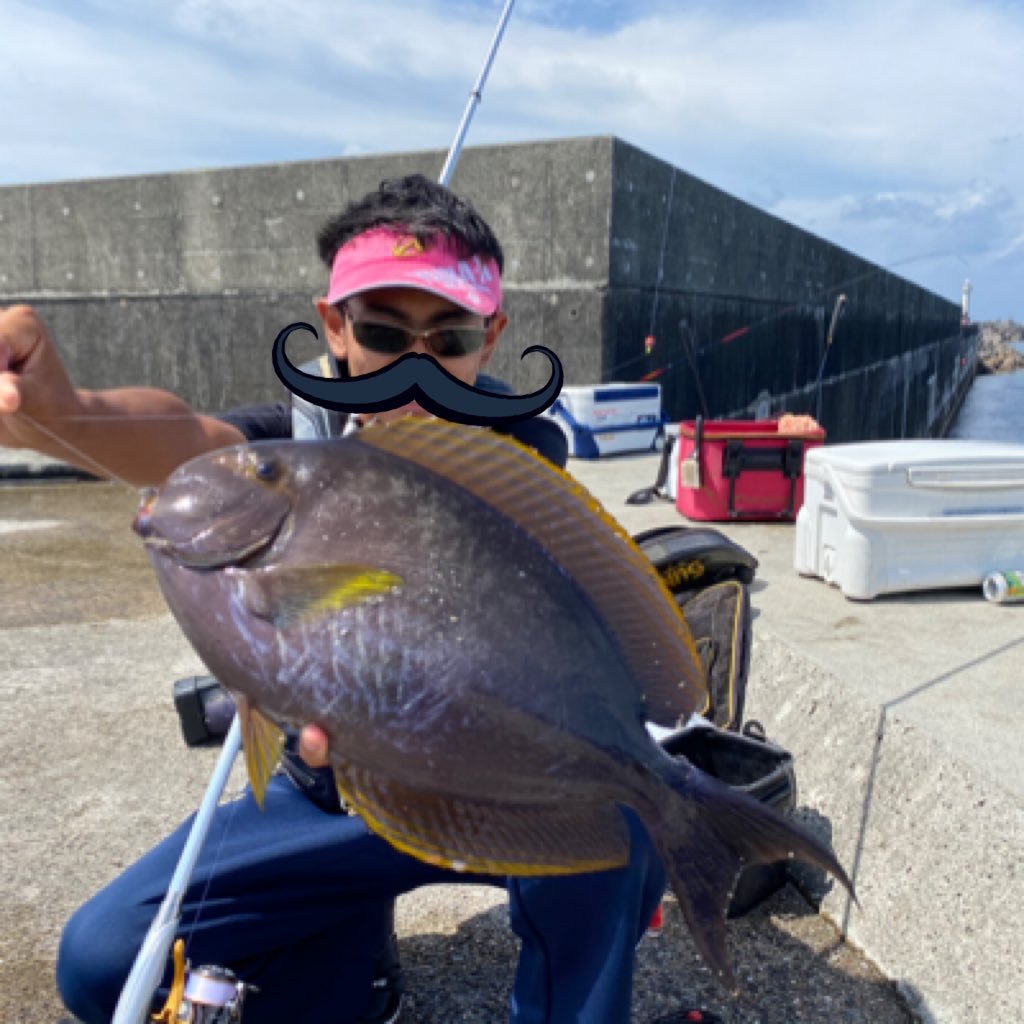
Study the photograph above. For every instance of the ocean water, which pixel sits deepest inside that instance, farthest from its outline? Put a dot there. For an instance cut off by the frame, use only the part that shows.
(994, 408)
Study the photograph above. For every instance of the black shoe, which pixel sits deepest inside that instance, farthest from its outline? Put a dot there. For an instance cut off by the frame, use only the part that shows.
(384, 1005)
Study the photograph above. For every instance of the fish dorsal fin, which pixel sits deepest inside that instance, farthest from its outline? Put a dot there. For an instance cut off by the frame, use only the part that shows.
(572, 526)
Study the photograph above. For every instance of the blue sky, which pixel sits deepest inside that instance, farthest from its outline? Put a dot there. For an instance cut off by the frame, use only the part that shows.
(892, 127)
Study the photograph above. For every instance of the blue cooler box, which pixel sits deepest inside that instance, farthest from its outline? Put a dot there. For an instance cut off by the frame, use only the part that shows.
(609, 418)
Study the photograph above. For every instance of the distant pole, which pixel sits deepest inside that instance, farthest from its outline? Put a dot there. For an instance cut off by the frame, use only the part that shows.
(475, 96)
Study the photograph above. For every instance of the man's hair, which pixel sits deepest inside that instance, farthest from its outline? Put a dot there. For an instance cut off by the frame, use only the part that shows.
(417, 206)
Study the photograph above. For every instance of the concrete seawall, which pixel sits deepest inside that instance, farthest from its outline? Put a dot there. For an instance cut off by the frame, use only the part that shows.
(183, 280)
(903, 715)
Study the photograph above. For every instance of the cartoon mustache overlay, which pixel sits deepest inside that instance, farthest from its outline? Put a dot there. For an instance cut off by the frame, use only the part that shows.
(415, 377)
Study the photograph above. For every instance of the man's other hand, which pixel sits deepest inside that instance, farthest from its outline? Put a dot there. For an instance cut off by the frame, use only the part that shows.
(313, 746)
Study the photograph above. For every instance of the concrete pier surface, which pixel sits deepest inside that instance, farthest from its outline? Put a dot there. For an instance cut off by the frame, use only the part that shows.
(901, 714)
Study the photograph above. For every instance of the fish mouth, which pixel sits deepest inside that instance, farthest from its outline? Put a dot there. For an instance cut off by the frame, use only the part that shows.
(189, 527)
(190, 558)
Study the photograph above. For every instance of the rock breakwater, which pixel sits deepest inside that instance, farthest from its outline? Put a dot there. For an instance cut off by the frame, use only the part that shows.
(995, 354)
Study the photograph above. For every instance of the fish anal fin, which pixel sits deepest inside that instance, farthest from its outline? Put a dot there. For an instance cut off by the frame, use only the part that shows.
(486, 837)
(625, 589)
(262, 742)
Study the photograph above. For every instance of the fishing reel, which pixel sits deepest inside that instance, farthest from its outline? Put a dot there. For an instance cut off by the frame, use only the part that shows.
(206, 995)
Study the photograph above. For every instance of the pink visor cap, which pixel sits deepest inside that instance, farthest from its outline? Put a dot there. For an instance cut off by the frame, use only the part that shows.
(383, 259)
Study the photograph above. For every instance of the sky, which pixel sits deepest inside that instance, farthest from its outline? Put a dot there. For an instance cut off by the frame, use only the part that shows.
(894, 128)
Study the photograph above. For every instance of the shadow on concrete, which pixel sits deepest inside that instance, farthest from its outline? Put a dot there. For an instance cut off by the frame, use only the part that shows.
(793, 967)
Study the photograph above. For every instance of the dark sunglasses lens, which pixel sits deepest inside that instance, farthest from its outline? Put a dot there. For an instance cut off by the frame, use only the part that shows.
(380, 338)
(457, 341)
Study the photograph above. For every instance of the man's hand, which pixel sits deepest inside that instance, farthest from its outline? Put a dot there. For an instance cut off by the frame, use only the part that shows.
(137, 435)
(33, 380)
(313, 746)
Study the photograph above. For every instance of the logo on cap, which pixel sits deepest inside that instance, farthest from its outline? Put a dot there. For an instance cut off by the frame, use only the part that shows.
(409, 245)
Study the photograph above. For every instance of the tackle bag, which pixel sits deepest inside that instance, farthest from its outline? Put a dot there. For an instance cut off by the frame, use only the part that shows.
(708, 575)
(751, 763)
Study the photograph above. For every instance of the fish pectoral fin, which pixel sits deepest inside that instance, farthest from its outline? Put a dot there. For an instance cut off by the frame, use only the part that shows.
(487, 836)
(284, 594)
(262, 741)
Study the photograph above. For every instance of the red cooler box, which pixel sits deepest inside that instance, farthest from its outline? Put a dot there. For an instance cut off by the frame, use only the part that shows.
(743, 469)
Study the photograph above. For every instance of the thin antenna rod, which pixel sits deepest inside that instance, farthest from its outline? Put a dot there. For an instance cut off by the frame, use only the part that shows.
(475, 96)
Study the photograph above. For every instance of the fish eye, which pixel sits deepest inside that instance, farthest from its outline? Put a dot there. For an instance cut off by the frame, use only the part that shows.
(266, 470)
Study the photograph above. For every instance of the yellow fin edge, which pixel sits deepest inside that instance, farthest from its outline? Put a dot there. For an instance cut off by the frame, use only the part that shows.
(262, 742)
(367, 810)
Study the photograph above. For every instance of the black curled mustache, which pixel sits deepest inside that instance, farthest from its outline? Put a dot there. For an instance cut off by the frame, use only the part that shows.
(415, 377)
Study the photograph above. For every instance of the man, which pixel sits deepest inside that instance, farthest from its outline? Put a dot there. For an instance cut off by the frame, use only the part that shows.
(299, 899)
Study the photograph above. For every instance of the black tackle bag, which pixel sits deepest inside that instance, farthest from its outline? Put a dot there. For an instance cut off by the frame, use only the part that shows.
(709, 576)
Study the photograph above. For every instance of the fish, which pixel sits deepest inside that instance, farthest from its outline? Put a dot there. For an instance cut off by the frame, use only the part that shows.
(483, 644)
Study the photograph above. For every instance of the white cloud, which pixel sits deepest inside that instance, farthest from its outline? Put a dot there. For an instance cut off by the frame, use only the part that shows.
(817, 111)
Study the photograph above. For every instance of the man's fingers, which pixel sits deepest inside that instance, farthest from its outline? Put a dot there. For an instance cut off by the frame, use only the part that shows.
(8, 389)
(21, 342)
(10, 397)
(313, 746)
(21, 335)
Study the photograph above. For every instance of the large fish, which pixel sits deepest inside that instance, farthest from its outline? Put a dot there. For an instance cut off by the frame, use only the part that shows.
(481, 642)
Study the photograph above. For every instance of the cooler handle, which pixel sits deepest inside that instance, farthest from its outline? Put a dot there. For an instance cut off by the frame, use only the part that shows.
(738, 458)
(992, 478)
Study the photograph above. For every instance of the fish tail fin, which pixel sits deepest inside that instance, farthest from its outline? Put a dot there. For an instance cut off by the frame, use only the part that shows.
(706, 834)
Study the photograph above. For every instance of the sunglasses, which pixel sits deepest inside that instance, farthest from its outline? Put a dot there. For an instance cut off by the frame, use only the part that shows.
(442, 342)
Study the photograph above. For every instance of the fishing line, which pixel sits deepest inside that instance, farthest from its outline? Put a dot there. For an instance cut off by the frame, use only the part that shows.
(67, 445)
(236, 802)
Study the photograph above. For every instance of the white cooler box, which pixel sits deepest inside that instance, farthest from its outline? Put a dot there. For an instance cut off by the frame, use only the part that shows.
(609, 418)
(910, 515)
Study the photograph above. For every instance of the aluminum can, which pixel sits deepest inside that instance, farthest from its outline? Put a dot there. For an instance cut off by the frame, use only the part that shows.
(1004, 587)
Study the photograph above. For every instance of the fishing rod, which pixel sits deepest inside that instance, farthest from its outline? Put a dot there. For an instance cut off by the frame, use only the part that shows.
(133, 1006)
(475, 96)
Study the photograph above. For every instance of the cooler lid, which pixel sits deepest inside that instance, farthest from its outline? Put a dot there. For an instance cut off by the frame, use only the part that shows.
(615, 391)
(944, 463)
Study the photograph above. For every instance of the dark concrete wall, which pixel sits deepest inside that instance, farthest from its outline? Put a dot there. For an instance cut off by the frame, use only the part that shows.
(756, 296)
(183, 281)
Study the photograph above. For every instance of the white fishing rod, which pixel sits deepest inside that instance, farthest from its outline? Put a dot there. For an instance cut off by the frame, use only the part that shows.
(134, 1004)
(475, 95)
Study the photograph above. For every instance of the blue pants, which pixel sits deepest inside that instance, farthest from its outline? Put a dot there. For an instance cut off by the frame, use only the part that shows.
(300, 902)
